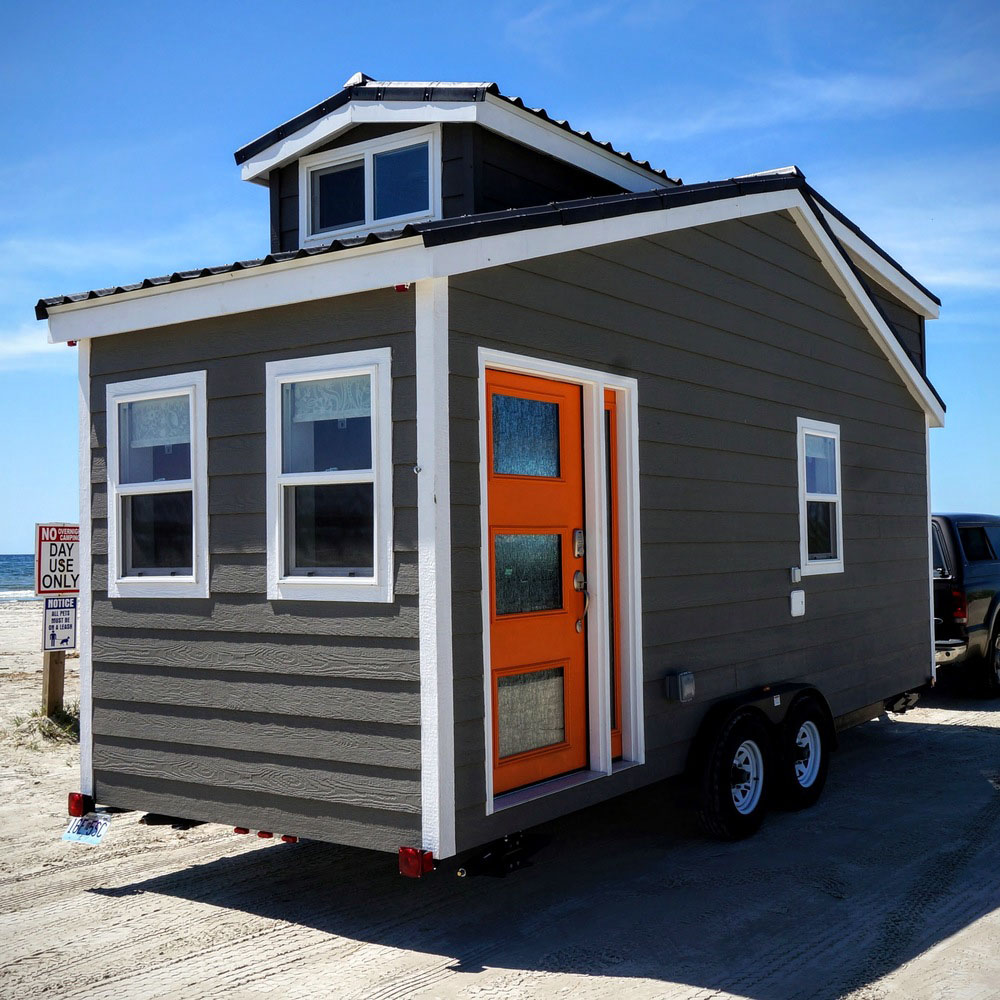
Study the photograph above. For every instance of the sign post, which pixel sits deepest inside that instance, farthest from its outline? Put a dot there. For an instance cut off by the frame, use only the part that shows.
(57, 574)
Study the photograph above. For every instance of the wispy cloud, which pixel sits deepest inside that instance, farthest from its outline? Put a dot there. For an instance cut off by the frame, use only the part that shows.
(26, 348)
(791, 97)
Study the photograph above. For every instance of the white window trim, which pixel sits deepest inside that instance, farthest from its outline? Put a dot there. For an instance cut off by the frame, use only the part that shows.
(366, 151)
(379, 587)
(191, 384)
(626, 389)
(817, 567)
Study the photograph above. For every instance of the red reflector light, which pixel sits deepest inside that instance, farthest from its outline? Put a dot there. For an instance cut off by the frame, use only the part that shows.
(415, 862)
(961, 610)
(264, 834)
(240, 829)
(288, 839)
(402, 288)
(79, 804)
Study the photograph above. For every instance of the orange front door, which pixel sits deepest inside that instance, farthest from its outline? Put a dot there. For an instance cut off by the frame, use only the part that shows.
(538, 663)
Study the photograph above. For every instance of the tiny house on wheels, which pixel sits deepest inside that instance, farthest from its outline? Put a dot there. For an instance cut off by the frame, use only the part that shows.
(517, 475)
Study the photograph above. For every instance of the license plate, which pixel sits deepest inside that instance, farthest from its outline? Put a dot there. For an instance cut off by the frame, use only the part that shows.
(89, 829)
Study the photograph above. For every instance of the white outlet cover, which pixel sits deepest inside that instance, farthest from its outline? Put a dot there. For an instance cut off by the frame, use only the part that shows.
(798, 600)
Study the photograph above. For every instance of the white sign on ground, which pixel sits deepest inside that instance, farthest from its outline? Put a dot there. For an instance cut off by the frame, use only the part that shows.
(57, 559)
(60, 624)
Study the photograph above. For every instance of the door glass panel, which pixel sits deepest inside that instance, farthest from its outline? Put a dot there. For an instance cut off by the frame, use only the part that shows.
(528, 573)
(530, 711)
(525, 436)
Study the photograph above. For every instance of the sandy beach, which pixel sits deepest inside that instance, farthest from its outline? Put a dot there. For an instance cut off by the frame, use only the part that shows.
(624, 900)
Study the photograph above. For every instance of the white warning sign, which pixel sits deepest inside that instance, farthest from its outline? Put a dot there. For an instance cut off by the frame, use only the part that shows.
(60, 624)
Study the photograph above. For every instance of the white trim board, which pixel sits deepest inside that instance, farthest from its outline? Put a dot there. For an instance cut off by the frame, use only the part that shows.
(437, 714)
(399, 262)
(85, 598)
(878, 268)
(593, 384)
(493, 113)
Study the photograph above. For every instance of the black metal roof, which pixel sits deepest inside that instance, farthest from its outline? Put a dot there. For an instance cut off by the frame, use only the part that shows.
(562, 213)
(374, 90)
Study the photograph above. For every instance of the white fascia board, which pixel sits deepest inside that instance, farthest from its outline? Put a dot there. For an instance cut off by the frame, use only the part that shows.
(526, 128)
(872, 263)
(406, 261)
(355, 113)
(493, 113)
(832, 258)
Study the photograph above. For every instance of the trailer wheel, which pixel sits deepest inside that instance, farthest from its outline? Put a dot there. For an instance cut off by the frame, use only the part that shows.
(804, 754)
(736, 778)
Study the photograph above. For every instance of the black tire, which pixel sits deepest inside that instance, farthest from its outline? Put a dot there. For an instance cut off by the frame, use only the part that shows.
(804, 754)
(990, 680)
(742, 744)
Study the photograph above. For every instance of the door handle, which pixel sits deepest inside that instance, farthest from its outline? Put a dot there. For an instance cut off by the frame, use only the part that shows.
(580, 584)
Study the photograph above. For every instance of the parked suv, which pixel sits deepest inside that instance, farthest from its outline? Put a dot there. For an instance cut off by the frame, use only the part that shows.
(967, 596)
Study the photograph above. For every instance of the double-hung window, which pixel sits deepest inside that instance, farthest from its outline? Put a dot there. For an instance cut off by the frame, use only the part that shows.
(821, 538)
(329, 478)
(158, 487)
(379, 184)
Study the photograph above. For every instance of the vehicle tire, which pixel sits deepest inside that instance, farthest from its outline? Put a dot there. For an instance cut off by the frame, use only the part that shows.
(804, 754)
(991, 667)
(735, 779)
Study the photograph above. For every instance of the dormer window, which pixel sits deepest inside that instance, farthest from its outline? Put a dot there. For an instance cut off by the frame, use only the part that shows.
(381, 184)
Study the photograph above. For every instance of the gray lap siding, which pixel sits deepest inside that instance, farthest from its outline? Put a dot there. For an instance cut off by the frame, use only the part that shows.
(296, 717)
(732, 330)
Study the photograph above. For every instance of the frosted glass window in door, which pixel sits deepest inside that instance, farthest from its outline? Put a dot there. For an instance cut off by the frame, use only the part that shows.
(326, 424)
(528, 570)
(525, 436)
(530, 711)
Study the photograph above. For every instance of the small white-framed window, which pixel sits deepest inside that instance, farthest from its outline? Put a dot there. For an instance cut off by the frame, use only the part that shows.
(158, 487)
(821, 535)
(329, 478)
(381, 184)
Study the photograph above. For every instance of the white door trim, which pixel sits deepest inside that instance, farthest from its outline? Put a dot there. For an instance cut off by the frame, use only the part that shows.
(593, 384)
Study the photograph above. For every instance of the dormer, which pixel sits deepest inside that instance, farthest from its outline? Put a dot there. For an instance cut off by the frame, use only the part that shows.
(380, 155)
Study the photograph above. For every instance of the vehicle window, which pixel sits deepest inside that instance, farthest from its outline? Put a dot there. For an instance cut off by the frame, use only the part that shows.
(993, 531)
(941, 568)
(976, 544)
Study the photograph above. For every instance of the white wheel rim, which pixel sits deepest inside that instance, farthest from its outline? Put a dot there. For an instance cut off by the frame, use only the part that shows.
(808, 750)
(747, 777)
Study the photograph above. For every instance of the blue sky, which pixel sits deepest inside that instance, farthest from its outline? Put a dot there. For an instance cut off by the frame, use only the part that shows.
(120, 120)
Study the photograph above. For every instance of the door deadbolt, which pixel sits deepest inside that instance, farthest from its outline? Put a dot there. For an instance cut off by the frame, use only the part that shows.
(579, 546)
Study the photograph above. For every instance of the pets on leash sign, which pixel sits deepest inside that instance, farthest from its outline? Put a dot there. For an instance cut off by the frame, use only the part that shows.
(57, 577)
(57, 559)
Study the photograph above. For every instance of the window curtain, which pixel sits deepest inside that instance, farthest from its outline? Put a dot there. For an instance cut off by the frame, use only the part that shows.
(331, 399)
(156, 422)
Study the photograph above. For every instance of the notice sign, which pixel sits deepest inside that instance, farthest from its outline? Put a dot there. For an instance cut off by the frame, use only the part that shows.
(57, 559)
(60, 624)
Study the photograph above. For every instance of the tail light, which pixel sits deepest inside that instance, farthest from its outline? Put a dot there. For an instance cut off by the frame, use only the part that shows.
(265, 834)
(289, 839)
(240, 829)
(79, 804)
(960, 611)
(414, 862)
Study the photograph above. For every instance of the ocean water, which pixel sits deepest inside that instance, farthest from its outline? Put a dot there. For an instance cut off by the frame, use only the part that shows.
(17, 578)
